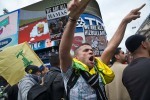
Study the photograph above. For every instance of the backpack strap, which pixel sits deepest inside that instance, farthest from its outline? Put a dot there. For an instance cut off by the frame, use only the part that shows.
(72, 81)
(93, 81)
(49, 79)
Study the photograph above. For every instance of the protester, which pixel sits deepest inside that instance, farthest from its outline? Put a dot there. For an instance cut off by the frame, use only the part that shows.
(53, 80)
(13, 92)
(129, 57)
(3, 82)
(116, 90)
(136, 75)
(31, 78)
(84, 75)
(43, 69)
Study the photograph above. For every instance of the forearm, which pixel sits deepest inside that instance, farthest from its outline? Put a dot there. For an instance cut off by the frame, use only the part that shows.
(65, 45)
(114, 42)
(75, 8)
(118, 36)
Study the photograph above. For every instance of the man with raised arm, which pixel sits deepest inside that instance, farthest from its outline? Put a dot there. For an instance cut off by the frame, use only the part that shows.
(85, 75)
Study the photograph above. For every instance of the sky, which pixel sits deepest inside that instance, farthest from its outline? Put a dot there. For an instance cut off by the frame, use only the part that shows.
(12, 5)
(113, 11)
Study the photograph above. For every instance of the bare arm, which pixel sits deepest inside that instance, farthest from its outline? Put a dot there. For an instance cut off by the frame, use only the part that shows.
(76, 8)
(119, 34)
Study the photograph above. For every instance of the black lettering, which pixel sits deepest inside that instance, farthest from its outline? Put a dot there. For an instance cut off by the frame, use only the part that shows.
(50, 16)
(49, 10)
(56, 8)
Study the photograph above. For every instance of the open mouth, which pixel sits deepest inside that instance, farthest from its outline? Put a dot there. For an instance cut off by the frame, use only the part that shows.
(91, 58)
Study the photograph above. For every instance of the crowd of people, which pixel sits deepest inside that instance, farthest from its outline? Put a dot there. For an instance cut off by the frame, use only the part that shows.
(86, 77)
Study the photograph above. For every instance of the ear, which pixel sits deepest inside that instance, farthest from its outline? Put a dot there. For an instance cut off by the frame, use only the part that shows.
(117, 56)
(144, 44)
(76, 57)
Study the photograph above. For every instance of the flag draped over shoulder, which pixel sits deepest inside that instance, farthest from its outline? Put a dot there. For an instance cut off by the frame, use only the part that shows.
(14, 59)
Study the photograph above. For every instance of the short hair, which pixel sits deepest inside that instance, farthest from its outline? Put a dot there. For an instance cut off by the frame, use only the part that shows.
(115, 53)
(77, 48)
(54, 60)
(134, 41)
(32, 69)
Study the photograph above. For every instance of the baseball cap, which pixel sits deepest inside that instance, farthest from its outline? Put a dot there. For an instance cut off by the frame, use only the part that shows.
(134, 41)
(41, 68)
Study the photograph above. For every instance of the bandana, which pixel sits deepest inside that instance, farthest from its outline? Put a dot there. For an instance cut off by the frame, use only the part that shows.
(103, 70)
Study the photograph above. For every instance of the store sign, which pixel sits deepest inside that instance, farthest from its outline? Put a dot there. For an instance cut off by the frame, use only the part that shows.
(5, 42)
(9, 41)
(88, 19)
(91, 28)
(34, 32)
(4, 22)
(9, 24)
(43, 44)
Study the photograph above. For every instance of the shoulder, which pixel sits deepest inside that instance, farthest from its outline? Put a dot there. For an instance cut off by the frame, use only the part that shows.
(26, 81)
(55, 69)
(66, 75)
(118, 64)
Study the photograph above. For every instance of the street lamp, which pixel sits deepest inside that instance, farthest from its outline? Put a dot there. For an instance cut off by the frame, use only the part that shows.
(5, 11)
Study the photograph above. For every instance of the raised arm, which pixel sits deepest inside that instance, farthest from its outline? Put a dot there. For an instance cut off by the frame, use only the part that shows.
(75, 7)
(119, 34)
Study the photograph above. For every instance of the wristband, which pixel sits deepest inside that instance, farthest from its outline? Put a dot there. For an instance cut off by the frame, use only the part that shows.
(72, 20)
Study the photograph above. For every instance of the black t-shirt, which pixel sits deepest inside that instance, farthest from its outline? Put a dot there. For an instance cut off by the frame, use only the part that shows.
(136, 78)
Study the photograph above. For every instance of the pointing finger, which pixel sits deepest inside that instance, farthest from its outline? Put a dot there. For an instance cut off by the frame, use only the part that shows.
(137, 9)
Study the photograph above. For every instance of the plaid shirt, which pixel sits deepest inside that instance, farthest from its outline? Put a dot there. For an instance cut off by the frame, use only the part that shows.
(81, 90)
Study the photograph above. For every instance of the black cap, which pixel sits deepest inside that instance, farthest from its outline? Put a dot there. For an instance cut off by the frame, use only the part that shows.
(134, 41)
(32, 69)
(41, 68)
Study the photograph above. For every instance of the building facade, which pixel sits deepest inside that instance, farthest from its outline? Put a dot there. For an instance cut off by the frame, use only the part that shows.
(42, 24)
(145, 27)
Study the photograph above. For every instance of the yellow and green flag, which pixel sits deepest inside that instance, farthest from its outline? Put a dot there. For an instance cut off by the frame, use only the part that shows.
(14, 59)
